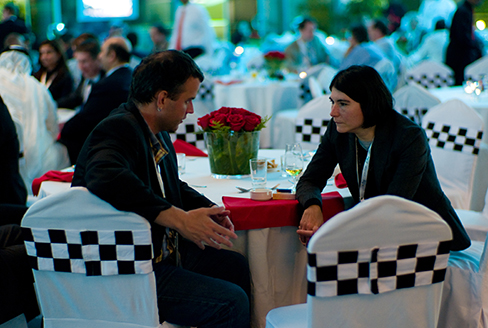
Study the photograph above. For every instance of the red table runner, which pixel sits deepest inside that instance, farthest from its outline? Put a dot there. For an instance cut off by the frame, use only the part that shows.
(248, 214)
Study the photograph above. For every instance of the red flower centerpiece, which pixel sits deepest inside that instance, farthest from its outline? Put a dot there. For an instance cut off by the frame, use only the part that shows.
(274, 64)
(232, 139)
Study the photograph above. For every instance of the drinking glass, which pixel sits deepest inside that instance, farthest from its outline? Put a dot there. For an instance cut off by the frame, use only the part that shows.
(294, 162)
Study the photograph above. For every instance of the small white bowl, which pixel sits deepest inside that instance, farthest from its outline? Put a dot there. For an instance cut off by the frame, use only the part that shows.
(261, 194)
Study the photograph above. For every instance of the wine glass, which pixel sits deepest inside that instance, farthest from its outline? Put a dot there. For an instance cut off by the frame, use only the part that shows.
(293, 162)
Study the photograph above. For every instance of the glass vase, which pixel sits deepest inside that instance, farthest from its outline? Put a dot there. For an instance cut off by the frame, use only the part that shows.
(229, 153)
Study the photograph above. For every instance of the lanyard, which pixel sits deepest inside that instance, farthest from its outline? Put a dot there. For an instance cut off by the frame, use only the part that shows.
(364, 174)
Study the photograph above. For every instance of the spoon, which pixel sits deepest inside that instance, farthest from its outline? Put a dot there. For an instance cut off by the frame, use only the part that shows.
(242, 190)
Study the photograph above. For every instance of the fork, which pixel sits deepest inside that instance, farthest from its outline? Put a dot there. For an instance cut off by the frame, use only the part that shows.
(242, 190)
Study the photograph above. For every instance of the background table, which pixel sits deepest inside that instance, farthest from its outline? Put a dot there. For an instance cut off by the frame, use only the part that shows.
(277, 259)
(261, 97)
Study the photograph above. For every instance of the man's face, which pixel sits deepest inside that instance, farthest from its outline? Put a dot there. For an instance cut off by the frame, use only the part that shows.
(373, 33)
(156, 37)
(307, 32)
(103, 57)
(89, 66)
(174, 111)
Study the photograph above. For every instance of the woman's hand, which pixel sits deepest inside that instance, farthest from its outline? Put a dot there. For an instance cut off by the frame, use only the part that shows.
(311, 221)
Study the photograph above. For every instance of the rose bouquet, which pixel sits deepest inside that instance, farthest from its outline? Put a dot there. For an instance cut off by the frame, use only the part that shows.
(232, 139)
(274, 63)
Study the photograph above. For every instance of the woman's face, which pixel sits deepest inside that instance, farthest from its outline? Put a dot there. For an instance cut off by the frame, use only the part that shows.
(346, 112)
(48, 56)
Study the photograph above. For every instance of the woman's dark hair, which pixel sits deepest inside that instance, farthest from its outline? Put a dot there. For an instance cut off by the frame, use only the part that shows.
(57, 47)
(364, 85)
(165, 70)
(360, 33)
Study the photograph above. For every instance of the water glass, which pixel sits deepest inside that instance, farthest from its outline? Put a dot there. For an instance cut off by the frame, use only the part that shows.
(259, 171)
(181, 159)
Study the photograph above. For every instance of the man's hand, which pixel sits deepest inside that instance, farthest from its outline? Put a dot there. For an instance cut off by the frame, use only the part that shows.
(204, 225)
(311, 221)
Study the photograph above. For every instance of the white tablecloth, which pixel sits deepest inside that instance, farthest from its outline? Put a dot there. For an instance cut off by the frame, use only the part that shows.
(276, 258)
(261, 97)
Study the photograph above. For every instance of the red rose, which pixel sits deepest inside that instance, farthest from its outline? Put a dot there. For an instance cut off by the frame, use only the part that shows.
(236, 121)
(219, 118)
(251, 122)
(204, 121)
(224, 110)
(240, 111)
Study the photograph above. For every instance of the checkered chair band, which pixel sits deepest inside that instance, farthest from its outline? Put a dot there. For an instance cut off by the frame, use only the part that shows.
(206, 92)
(377, 270)
(453, 138)
(304, 92)
(191, 133)
(414, 114)
(93, 253)
(431, 82)
(310, 130)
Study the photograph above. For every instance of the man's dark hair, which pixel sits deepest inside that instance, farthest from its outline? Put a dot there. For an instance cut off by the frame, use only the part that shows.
(360, 33)
(12, 8)
(82, 38)
(364, 85)
(120, 52)
(161, 29)
(90, 46)
(165, 70)
(440, 25)
(304, 22)
(380, 25)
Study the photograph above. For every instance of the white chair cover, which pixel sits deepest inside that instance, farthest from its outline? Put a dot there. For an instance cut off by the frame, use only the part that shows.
(326, 76)
(430, 74)
(69, 299)
(17, 322)
(311, 122)
(315, 87)
(283, 125)
(382, 223)
(475, 223)
(455, 130)
(203, 104)
(465, 293)
(477, 69)
(388, 73)
(413, 101)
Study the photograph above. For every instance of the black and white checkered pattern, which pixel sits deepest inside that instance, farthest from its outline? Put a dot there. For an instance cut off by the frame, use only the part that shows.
(94, 253)
(206, 91)
(191, 133)
(454, 138)
(310, 129)
(431, 82)
(304, 92)
(414, 114)
(377, 270)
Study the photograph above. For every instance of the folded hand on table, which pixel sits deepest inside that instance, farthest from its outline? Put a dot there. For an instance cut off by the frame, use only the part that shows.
(223, 219)
(311, 221)
(199, 226)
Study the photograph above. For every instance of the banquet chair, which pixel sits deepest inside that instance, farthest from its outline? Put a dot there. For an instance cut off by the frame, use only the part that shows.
(326, 76)
(92, 264)
(413, 101)
(315, 88)
(311, 122)
(430, 74)
(379, 264)
(464, 300)
(475, 223)
(386, 70)
(477, 70)
(455, 131)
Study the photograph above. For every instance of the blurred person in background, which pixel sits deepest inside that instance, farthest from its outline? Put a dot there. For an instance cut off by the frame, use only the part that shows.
(361, 51)
(433, 46)
(307, 50)
(86, 55)
(159, 38)
(10, 23)
(54, 72)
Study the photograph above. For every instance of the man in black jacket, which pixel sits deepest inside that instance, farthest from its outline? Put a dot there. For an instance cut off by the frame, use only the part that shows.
(107, 94)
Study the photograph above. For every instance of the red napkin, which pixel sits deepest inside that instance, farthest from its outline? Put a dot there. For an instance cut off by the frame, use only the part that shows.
(340, 182)
(228, 83)
(248, 214)
(51, 176)
(190, 150)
